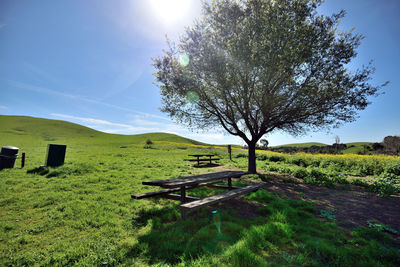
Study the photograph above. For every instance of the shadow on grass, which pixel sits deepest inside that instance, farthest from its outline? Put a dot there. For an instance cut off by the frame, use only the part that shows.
(39, 170)
(64, 170)
(287, 234)
(170, 239)
(206, 165)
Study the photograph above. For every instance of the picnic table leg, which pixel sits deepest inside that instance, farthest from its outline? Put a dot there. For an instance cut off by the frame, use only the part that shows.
(183, 214)
(183, 194)
(229, 183)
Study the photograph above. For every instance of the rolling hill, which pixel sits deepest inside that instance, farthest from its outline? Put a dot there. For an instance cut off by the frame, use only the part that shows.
(22, 130)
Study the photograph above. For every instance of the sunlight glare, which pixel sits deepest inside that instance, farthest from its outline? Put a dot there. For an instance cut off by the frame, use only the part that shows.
(183, 59)
(170, 11)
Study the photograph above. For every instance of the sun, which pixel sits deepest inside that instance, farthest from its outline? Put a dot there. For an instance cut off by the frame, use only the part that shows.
(170, 11)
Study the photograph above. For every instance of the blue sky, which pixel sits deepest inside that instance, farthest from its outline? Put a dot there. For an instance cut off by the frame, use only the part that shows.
(89, 62)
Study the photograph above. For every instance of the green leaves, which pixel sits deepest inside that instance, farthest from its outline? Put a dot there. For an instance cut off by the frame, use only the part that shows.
(259, 66)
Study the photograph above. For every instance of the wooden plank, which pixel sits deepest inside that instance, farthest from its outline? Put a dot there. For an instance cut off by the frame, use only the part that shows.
(178, 197)
(195, 179)
(201, 159)
(222, 186)
(155, 193)
(202, 155)
(218, 198)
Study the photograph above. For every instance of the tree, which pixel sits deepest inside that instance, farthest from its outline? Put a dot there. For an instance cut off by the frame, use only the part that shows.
(392, 144)
(254, 67)
(264, 143)
(337, 143)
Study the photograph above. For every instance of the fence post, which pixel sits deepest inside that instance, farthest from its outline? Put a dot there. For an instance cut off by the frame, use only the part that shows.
(230, 152)
(23, 160)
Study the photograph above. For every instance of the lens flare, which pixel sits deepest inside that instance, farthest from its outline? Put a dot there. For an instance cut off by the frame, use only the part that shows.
(216, 217)
(183, 60)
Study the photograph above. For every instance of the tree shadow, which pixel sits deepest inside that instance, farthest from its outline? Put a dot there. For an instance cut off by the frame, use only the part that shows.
(206, 165)
(170, 239)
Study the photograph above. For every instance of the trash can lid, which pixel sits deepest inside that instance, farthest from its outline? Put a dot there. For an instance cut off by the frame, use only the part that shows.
(10, 147)
(9, 150)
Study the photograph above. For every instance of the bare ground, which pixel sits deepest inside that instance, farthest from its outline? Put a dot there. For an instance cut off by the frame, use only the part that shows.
(353, 206)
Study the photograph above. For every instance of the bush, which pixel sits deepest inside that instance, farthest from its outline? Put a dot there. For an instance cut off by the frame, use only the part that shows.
(261, 157)
(386, 185)
(393, 169)
(275, 158)
(149, 142)
(299, 162)
(317, 177)
(317, 174)
(271, 168)
(241, 155)
(300, 173)
(384, 188)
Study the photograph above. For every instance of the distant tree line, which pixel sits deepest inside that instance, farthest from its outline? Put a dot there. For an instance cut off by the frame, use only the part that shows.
(314, 149)
(390, 146)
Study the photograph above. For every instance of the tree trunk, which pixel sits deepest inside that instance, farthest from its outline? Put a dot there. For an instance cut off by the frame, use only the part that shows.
(252, 158)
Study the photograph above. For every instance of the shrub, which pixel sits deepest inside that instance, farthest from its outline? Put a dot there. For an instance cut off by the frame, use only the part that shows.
(300, 173)
(317, 177)
(360, 182)
(276, 158)
(271, 168)
(317, 174)
(340, 179)
(261, 157)
(386, 185)
(149, 142)
(241, 155)
(299, 162)
(393, 169)
(384, 188)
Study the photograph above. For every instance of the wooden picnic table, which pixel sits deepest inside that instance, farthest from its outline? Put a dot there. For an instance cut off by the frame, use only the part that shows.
(199, 158)
(186, 183)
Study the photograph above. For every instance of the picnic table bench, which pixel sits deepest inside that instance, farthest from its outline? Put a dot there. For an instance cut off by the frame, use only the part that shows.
(202, 158)
(189, 203)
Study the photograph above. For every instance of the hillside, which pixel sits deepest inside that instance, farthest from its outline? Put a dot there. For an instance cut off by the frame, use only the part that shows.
(21, 131)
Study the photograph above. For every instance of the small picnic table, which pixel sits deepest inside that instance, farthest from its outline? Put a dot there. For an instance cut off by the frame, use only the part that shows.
(199, 157)
(189, 203)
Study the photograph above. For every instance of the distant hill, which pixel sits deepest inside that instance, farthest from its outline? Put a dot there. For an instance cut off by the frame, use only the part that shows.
(357, 147)
(22, 130)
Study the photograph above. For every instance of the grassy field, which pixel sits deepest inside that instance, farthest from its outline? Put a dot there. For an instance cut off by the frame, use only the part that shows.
(82, 214)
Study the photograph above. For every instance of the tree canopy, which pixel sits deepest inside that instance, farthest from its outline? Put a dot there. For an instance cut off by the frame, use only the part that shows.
(257, 66)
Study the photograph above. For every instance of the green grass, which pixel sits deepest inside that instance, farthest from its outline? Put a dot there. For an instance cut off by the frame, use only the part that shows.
(82, 213)
(358, 147)
(25, 131)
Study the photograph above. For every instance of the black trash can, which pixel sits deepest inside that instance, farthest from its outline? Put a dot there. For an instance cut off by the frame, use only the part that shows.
(55, 155)
(8, 156)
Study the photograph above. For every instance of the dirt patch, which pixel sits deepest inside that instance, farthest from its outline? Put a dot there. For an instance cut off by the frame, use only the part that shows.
(353, 206)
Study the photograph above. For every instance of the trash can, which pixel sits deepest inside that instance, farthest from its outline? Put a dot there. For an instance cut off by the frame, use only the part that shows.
(8, 156)
(55, 155)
